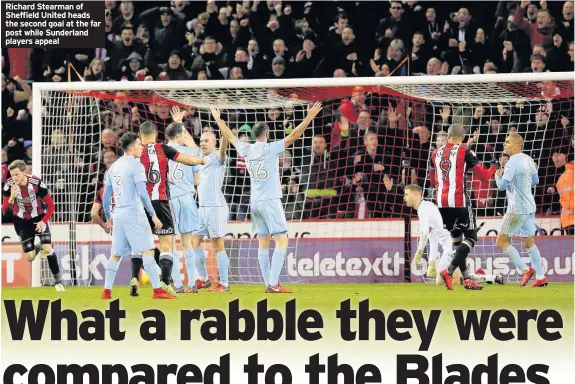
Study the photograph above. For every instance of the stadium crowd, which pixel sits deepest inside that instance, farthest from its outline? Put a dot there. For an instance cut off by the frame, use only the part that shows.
(365, 147)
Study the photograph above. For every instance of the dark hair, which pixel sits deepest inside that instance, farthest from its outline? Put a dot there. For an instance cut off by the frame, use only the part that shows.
(537, 56)
(127, 139)
(260, 129)
(174, 129)
(414, 187)
(17, 164)
(339, 16)
(503, 154)
(148, 128)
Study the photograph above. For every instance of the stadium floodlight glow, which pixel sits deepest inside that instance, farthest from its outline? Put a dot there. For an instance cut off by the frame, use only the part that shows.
(338, 234)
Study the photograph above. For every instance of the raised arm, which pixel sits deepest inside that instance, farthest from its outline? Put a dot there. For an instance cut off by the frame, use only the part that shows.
(298, 131)
(223, 148)
(226, 131)
(178, 117)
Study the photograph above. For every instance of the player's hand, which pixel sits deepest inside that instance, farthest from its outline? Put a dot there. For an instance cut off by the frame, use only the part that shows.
(40, 226)
(14, 191)
(215, 111)
(314, 110)
(157, 223)
(109, 226)
(177, 114)
(417, 258)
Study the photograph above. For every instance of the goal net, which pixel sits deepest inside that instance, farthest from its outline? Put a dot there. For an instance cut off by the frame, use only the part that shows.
(342, 181)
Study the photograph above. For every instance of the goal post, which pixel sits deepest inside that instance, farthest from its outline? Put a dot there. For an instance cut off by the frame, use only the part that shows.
(342, 181)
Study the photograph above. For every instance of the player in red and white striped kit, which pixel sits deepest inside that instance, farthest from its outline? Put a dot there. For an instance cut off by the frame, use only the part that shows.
(155, 159)
(32, 207)
(451, 163)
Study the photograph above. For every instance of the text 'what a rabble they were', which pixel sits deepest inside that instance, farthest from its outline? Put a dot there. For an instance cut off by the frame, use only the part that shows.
(270, 324)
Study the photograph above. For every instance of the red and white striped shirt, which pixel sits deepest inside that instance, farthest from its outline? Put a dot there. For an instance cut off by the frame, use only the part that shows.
(155, 160)
(449, 174)
(32, 200)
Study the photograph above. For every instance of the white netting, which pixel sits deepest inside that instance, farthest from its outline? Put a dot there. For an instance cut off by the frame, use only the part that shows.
(343, 188)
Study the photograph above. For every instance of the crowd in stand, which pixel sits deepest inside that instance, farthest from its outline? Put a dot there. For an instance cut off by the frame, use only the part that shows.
(364, 148)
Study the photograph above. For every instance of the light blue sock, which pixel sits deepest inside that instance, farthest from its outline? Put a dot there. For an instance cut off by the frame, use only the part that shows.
(278, 259)
(151, 268)
(223, 265)
(535, 257)
(111, 269)
(201, 268)
(264, 261)
(190, 258)
(176, 267)
(512, 253)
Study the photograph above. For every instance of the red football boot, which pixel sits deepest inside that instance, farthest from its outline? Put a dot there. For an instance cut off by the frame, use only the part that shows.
(447, 279)
(471, 285)
(159, 293)
(526, 276)
(540, 283)
(277, 289)
(203, 284)
(220, 288)
(107, 294)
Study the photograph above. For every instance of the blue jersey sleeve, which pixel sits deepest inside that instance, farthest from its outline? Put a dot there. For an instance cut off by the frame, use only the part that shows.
(277, 147)
(141, 187)
(107, 197)
(534, 177)
(243, 148)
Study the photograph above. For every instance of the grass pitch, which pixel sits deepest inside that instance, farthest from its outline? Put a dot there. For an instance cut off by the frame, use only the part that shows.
(322, 297)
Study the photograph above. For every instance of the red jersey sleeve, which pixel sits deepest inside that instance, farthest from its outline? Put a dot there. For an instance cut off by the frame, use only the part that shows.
(170, 152)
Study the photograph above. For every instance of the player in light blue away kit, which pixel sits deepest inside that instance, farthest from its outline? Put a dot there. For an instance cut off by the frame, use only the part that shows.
(213, 212)
(268, 217)
(518, 178)
(131, 233)
(182, 179)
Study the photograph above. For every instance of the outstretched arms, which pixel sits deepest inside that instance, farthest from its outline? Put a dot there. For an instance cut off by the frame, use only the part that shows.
(298, 131)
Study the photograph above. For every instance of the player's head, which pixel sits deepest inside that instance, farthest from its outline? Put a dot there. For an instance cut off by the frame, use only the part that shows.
(208, 143)
(456, 134)
(148, 131)
(261, 131)
(176, 133)
(131, 144)
(413, 195)
(503, 159)
(16, 169)
(513, 144)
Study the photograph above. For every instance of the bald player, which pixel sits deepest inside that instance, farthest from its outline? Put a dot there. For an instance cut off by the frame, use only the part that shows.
(449, 175)
(213, 213)
(517, 179)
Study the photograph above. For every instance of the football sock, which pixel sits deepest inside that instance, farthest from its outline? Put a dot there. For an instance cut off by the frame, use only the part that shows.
(190, 259)
(176, 268)
(137, 264)
(111, 269)
(264, 262)
(54, 267)
(535, 257)
(166, 264)
(278, 259)
(151, 269)
(223, 265)
(201, 268)
(512, 253)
